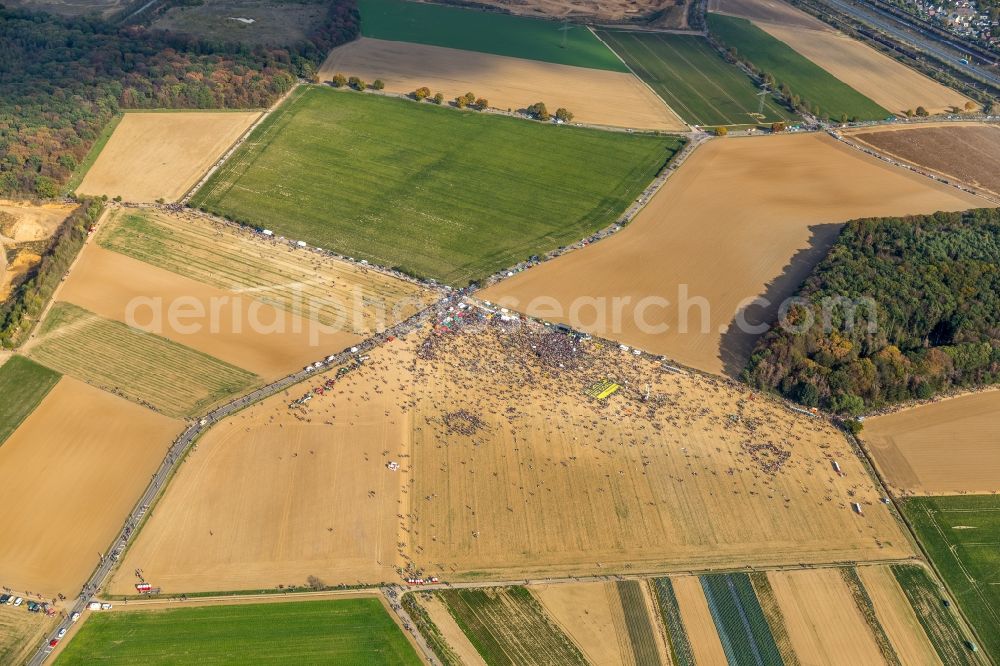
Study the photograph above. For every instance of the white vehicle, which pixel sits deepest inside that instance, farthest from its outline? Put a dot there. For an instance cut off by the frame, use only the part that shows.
(74, 617)
(94, 605)
(105, 606)
(10, 600)
(62, 632)
(18, 601)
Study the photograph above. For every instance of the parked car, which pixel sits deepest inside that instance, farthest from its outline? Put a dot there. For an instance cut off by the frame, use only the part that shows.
(18, 601)
(74, 617)
(4, 598)
(62, 632)
(53, 642)
(10, 600)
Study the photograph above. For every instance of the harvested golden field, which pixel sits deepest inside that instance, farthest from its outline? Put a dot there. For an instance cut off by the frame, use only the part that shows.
(21, 632)
(823, 621)
(744, 218)
(507, 469)
(518, 472)
(966, 152)
(591, 615)
(941, 448)
(896, 616)
(154, 156)
(599, 10)
(887, 82)
(72, 472)
(698, 623)
(232, 326)
(274, 495)
(342, 295)
(594, 96)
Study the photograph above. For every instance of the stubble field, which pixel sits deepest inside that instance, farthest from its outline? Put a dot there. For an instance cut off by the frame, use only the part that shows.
(72, 472)
(440, 193)
(20, 632)
(154, 156)
(955, 151)
(887, 82)
(599, 97)
(767, 209)
(897, 617)
(945, 447)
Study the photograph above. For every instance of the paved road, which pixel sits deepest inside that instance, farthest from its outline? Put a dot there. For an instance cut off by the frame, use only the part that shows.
(947, 50)
(180, 446)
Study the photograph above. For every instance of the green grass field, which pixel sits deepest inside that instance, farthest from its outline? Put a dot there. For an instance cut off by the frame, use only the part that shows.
(745, 634)
(436, 192)
(508, 627)
(694, 79)
(344, 632)
(486, 32)
(805, 79)
(145, 368)
(940, 623)
(962, 536)
(23, 385)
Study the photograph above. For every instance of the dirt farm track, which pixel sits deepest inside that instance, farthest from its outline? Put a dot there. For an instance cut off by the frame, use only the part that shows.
(594, 96)
(765, 208)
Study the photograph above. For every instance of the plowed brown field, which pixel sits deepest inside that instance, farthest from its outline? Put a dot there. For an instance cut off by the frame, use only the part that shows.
(594, 96)
(72, 472)
(887, 82)
(966, 152)
(743, 218)
(154, 156)
(941, 448)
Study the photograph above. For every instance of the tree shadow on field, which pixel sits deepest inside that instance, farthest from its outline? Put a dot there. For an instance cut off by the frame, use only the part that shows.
(736, 345)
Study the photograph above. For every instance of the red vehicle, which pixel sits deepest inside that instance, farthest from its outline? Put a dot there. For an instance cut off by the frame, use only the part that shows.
(53, 642)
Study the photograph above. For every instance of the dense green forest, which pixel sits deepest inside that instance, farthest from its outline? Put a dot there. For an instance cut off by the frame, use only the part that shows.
(933, 285)
(62, 79)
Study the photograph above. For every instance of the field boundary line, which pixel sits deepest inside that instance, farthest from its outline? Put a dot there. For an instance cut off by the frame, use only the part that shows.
(632, 72)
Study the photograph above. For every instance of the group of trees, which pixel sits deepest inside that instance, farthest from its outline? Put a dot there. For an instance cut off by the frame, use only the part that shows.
(900, 309)
(339, 81)
(467, 101)
(63, 79)
(539, 111)
(26, 303)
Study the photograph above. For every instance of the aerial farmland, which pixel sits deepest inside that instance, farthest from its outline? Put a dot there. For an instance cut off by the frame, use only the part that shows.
(495, 333)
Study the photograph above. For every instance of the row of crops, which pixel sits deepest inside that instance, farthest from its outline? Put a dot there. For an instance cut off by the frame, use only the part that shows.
(746, 637)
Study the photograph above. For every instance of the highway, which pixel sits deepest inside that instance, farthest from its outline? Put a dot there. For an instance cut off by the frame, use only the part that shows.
(175, 455)
(948, 51)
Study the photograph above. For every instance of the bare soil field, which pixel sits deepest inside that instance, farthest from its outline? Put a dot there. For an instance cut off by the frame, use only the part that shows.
(154, 156)
(517, 471)
(887, 82)
(941, 448)
(274, 495)
(896, 616)
(452, 633)
(824, 623)
(591, 615)
(965, 152)
(594, 96)
(698, 623)
(766, 209)
(72, 472)
(602, 10)
(235, 327)
(264, 22)
(21, 632)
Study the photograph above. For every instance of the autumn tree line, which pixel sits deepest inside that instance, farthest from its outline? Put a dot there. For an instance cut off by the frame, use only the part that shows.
(63, 79)
(900, 309)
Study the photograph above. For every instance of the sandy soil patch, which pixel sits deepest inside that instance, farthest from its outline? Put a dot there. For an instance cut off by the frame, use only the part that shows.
(154, 156)
(73, 470)
(13, 272)
(743, 218)
(966, 152)
(20, 632)
(824, 623)
(600, 10)
(887, 82)
(940, 448)
(452, 633)
(273, 495)
(594, 96)
(896, 616)
(516, 469)
(22, 221)
(591, 615)
(698, 623)
(243, 331)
